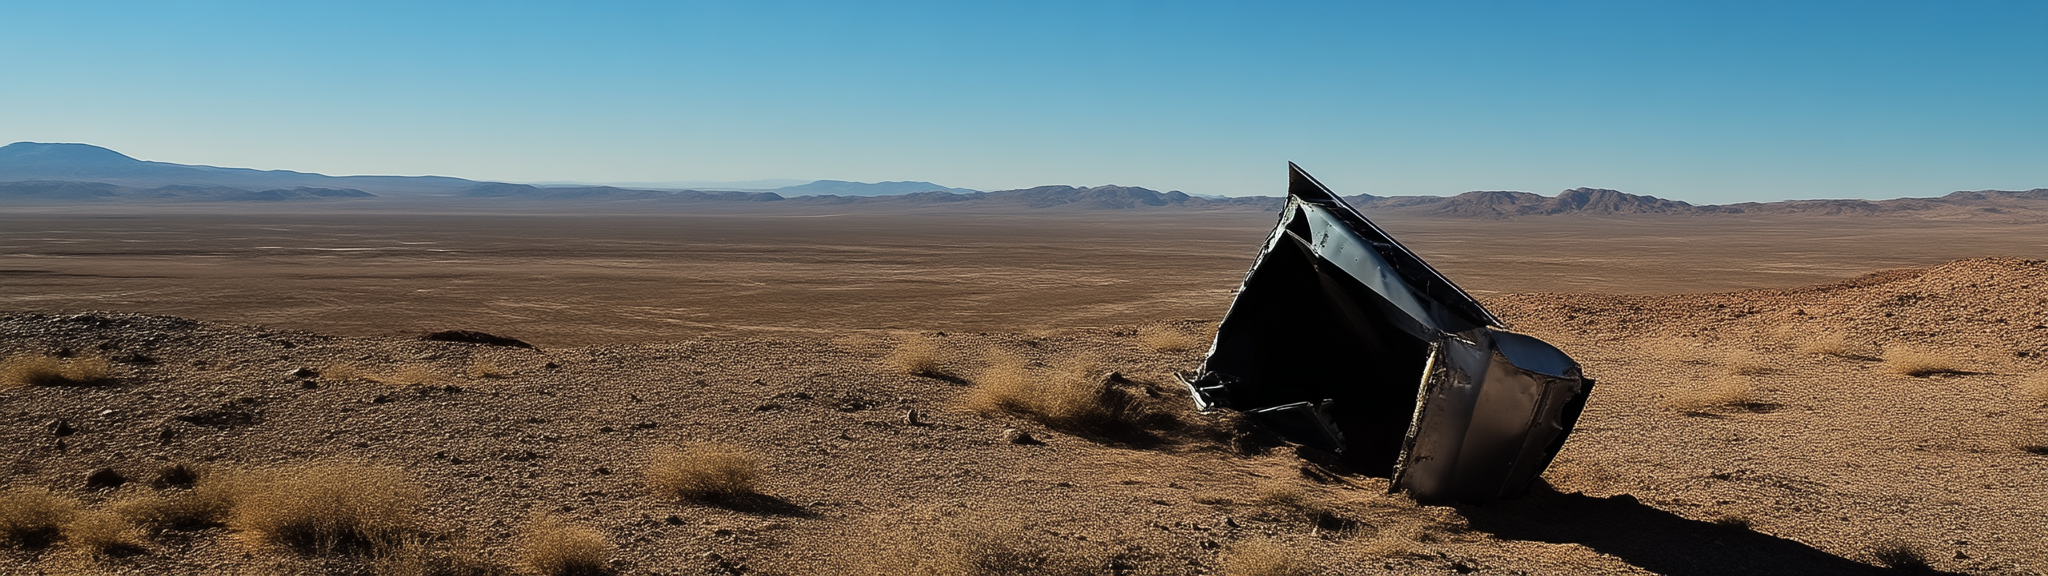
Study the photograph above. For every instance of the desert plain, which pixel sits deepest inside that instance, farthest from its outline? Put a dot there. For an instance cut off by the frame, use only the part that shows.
(1778, 394)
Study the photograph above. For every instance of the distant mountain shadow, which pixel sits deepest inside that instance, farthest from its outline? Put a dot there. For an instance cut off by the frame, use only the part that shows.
(1650, 538)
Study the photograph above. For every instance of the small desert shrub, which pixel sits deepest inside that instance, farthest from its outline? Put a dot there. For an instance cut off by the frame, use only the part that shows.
(1166, 339)
(1717, 393)
(175, 474)
(1918, 363)
(210, 502)
(1265, 558)
(916, 356)
(1003, 549)
(704, 472)
(1732, 521)
(329, 507)
(102, 534)
(40, 370)
(555, 548)
(2035, 388)
(1901, 556)
(480, 369)
(1838, 346)
(1074, 396)
(34, 519)
(417, 556)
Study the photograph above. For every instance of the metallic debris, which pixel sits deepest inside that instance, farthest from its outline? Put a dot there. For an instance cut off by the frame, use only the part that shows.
(1343, 341)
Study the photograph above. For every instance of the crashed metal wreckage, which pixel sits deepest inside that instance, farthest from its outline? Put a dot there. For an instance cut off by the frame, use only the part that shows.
(1344, 341)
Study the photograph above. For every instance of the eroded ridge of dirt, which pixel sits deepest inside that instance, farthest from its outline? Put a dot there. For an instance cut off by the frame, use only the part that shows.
(1832, 461)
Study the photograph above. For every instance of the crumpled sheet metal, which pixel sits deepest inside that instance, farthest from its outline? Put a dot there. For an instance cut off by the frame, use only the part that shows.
(1344, 341)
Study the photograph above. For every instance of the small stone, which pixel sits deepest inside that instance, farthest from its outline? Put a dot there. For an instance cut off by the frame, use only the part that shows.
(301, 372)
(105, 478)
(673, 520)
(551, 365)
(602, 471)
(910, 417)
(1015, 436)
(308, 384)
(1961, 556)
(381, 399)
(61, 428)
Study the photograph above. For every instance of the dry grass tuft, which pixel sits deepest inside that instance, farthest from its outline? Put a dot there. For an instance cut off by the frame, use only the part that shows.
(556, 548)
(1747, 363)
(210, 502)
(411, 374)
(1901, 556)
(1166, 339)
(1002, 549)
(482, 368)
(916, 356)
(176, 474)
(328, 508)
(34, 519)
(1265, 558)
(1839, 346)
(1396, 541)
(103, 534)
(424, 557)
(1725, 392)
(40, 370)
(704, 472)
(1919, 363)
(1676, 349)
(2034, 388)
(1073, 396)
(339, 372)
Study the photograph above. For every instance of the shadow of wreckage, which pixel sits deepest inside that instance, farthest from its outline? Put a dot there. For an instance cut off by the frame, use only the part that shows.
(1343, 341)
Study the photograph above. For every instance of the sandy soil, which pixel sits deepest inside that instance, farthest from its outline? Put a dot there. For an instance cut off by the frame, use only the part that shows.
(1833, 458)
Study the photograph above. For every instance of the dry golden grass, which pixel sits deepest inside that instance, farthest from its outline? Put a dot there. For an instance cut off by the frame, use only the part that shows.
(103, 534)
(1263, 557)
(1395, 541)
(551, 547)
(999, 548)
(1919, 363)
(1747, 363)
(328, 507)
(1839, 346)
(482, 368)
(40, 370)
(210, 502)
(1072, 396)
(1724, 392)
(419, 556)
(1674, 349)
(340, 372)
(704, 472)
(411, 374)
(33, 518)
(915, 356)
(1166, 339)
(2034, 388)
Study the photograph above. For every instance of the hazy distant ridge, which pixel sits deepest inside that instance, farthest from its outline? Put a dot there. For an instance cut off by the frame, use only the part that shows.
(59, 173)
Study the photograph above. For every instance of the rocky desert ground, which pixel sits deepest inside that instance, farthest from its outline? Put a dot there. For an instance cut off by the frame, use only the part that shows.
(930, 392)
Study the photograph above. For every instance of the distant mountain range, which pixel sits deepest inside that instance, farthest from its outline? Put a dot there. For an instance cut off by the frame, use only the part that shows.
(69, 173)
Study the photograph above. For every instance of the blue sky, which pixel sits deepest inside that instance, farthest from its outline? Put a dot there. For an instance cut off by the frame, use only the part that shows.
(1701, 101)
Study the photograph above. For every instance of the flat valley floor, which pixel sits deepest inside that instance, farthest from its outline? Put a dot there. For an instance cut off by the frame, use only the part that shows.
(1754, 413)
